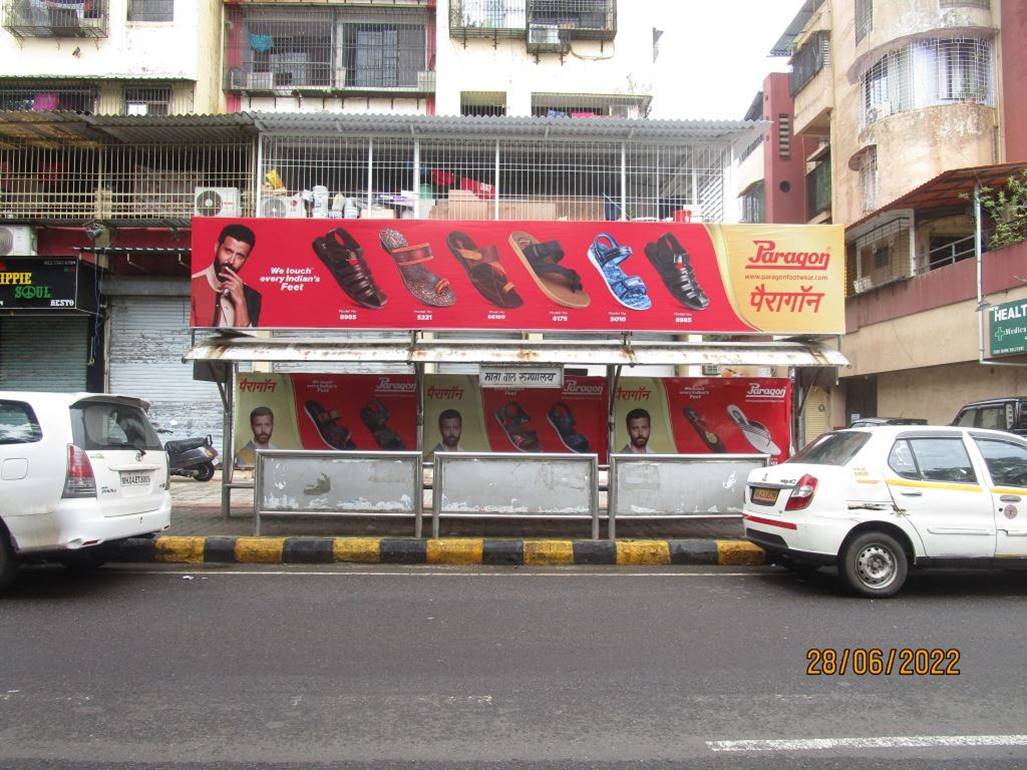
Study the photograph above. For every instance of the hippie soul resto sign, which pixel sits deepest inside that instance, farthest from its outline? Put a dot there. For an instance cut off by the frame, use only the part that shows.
(544, 276)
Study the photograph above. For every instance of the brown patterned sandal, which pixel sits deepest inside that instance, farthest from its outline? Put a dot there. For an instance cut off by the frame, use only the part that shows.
(421, 282)
(344, 258)
(485, 270)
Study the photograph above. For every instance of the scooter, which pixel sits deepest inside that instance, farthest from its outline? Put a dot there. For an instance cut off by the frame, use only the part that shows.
(192, 457)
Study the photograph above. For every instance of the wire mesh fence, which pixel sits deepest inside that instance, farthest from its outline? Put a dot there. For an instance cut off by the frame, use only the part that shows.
(34, 18)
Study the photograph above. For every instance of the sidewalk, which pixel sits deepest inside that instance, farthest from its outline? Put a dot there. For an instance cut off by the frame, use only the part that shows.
(199, 533)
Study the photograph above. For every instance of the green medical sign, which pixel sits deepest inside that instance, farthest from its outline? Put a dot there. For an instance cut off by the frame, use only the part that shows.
(1008, 325)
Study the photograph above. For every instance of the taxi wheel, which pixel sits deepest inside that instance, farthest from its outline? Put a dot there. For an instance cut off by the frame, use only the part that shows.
(874, 564)
(8, 562)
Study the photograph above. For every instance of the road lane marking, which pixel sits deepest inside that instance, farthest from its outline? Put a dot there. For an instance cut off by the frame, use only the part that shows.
(881, 742)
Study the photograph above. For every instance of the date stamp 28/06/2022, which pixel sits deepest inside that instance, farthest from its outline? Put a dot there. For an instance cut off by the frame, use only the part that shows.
(879, 661)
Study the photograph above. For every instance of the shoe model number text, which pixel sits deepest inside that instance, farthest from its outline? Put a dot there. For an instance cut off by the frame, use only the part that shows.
(496, 316)
(682, 319)
(347, 315)
(618, 318)
(62, 303)
(876, 661)
(559, 317)
(423, 315)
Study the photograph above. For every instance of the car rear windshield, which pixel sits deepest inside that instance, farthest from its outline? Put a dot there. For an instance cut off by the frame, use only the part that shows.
(110, 425)
(832, 448)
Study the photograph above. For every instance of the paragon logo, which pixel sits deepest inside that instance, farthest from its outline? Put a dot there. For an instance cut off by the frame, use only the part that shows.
(572, 388)
(758, 392)
(453, 393)
(247, 385)
(640, 393)
(386, 385)
(767, 257)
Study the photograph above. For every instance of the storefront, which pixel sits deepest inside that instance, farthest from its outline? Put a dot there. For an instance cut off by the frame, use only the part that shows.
(49, 327)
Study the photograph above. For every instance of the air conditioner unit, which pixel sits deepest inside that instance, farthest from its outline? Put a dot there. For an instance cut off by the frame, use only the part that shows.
(863, 284)
(543, 34)
(254, 81)
(281, 207)
(17, 241)
(216, 202)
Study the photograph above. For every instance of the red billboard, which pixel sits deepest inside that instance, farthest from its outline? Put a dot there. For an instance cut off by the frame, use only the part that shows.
(545, 276)
(379, 412)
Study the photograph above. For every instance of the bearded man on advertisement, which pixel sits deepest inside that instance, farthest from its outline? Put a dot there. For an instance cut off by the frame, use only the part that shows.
(639, 428)
(220, 298)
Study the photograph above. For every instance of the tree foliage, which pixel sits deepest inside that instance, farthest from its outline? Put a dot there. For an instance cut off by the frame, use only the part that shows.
(1006, 207)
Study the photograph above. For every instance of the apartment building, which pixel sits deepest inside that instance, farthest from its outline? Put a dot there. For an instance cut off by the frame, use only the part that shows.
(469, 109)
(900, 109)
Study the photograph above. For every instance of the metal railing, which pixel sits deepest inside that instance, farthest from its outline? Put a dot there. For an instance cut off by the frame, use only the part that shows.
(580, 19)
(946, 254)
(487, 18)
(48, 97)
(36, 18)
(327, 49)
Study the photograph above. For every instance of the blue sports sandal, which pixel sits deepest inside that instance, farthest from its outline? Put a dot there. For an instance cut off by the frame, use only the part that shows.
(629, 290)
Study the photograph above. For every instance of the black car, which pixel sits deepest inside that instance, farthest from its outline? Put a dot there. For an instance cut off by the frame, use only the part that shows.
(1009, 414)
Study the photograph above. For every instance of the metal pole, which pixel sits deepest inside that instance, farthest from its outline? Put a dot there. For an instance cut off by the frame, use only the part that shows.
(370, 174)
(419, 389)
(257, 197)
(227, 439)
(417, 179)
(612, 379)
(611, 501)
(495, 212)
(623, 182)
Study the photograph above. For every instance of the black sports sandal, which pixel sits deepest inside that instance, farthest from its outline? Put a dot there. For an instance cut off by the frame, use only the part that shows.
(675, 268)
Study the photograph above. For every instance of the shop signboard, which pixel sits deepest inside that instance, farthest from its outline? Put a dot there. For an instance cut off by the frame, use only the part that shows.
(379, 412)
(46, 283)
(1008, 325)
(516, 276)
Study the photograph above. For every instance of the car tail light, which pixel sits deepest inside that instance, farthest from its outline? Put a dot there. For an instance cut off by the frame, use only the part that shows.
(802, 493)
(79, 480)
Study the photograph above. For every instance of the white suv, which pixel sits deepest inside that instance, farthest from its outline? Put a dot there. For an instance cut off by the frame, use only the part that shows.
(874, 501)
(76, 470)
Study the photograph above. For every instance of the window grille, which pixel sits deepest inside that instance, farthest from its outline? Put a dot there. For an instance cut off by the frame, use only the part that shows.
(119, 182)
(864, 18)
(868, 179)
(342, 48)
(818, 188)
(487, 18)
(581, 19)
(151, 10)
(148, 100)
(883, 254)
(986, 4)
(752, 203)
(483, 103)
(925, 73)
(555, 105)
(47, 97)
(809, 60)
(36, 18)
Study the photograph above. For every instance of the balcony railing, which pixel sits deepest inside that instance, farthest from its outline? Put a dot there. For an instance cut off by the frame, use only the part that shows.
(818, 189)
(487, 18)
(581, 19)
(47, 98)
(327, 50)
(56, 18)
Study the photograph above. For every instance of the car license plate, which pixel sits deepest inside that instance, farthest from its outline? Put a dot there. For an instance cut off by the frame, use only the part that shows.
(764, 495)
(129, 479)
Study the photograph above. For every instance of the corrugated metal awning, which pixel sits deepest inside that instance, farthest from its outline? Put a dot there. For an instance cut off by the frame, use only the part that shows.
(173, 250)
(576, 352)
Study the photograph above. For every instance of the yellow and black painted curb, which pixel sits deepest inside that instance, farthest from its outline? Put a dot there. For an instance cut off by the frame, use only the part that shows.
(450, 551)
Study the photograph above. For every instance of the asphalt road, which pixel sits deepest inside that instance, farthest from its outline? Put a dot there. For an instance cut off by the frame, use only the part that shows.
(500, 668)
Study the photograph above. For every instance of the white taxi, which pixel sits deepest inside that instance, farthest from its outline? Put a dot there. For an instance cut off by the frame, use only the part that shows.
(877, 501)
